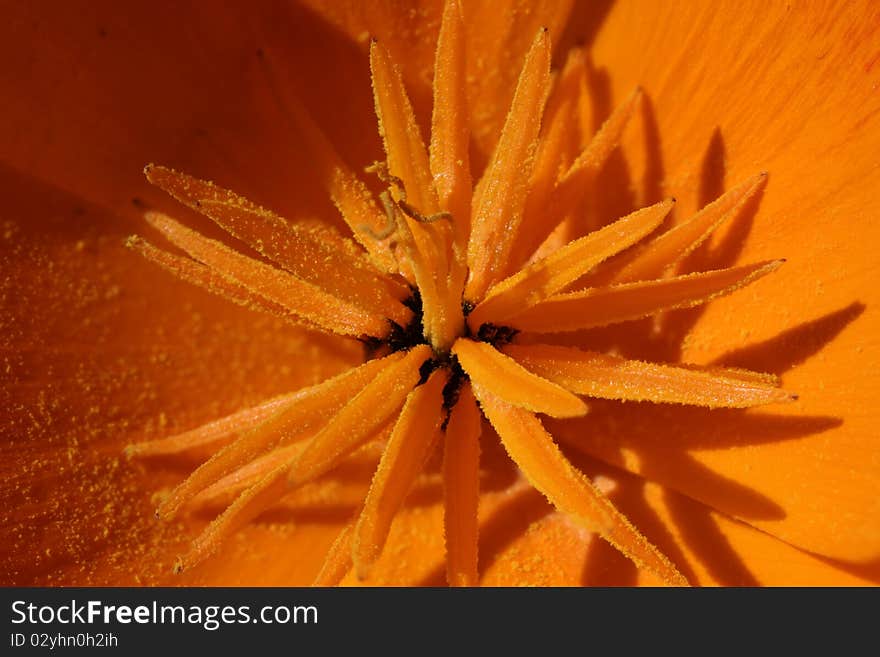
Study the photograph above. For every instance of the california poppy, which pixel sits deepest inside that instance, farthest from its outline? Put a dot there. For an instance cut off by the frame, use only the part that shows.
(113, 367)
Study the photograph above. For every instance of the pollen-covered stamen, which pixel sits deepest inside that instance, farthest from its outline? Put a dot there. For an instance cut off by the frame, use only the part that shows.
(248, 475)
(295, 294)
(216, 433)
(360, 418)
(602, 306)
(310, 411)
(428, 245)
(667, 250)
(415, 432)
(555, 272)
(461, 487)
(310, 249)
(512, 382)
(338, 561)
(612, 377)
(203, 276)
(500, 195)
(555, 153)
(364, 417)
(533, 450)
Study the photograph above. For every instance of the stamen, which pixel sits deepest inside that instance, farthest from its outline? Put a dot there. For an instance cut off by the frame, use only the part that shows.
(360, 418)
(314, 407)
(500, 195)
(338, 561)
(248, 506)
(512, 382)
(572, 493)
(620, 303)
(461, 489)
(414, 434)
(553, 153)
(612, 377)
(293, 293)
(248, 475)
(544, 278)
(408, 159)
(449, 156)
(670, 248)
(198, 274)
(218, 431)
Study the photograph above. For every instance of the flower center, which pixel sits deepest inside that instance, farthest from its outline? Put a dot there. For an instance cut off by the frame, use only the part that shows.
(405, 338)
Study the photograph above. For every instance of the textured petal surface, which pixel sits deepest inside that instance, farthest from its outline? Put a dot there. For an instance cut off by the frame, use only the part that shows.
(815, 321)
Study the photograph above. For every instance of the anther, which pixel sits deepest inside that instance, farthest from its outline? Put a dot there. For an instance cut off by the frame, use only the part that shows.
(412, 213)
(390, 219)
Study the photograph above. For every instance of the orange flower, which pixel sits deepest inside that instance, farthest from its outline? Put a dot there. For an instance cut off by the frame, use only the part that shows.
(115, 358)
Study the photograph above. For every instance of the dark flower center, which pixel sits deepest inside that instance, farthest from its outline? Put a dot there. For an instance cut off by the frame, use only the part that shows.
(404, 338)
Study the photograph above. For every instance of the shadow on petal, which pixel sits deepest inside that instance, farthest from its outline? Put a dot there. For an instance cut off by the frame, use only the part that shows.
(792, 347)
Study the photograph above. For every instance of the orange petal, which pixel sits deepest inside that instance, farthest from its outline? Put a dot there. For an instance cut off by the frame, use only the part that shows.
(501, 194)
(534, 451)
(546, 277)
(620, 303)
(461, 489)
(361, 418)
(513, 383)
(410, 444)
(293, 293)
(313, 407)
(674, 245)
(817, 134)
(709, 548)
(612, 377)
